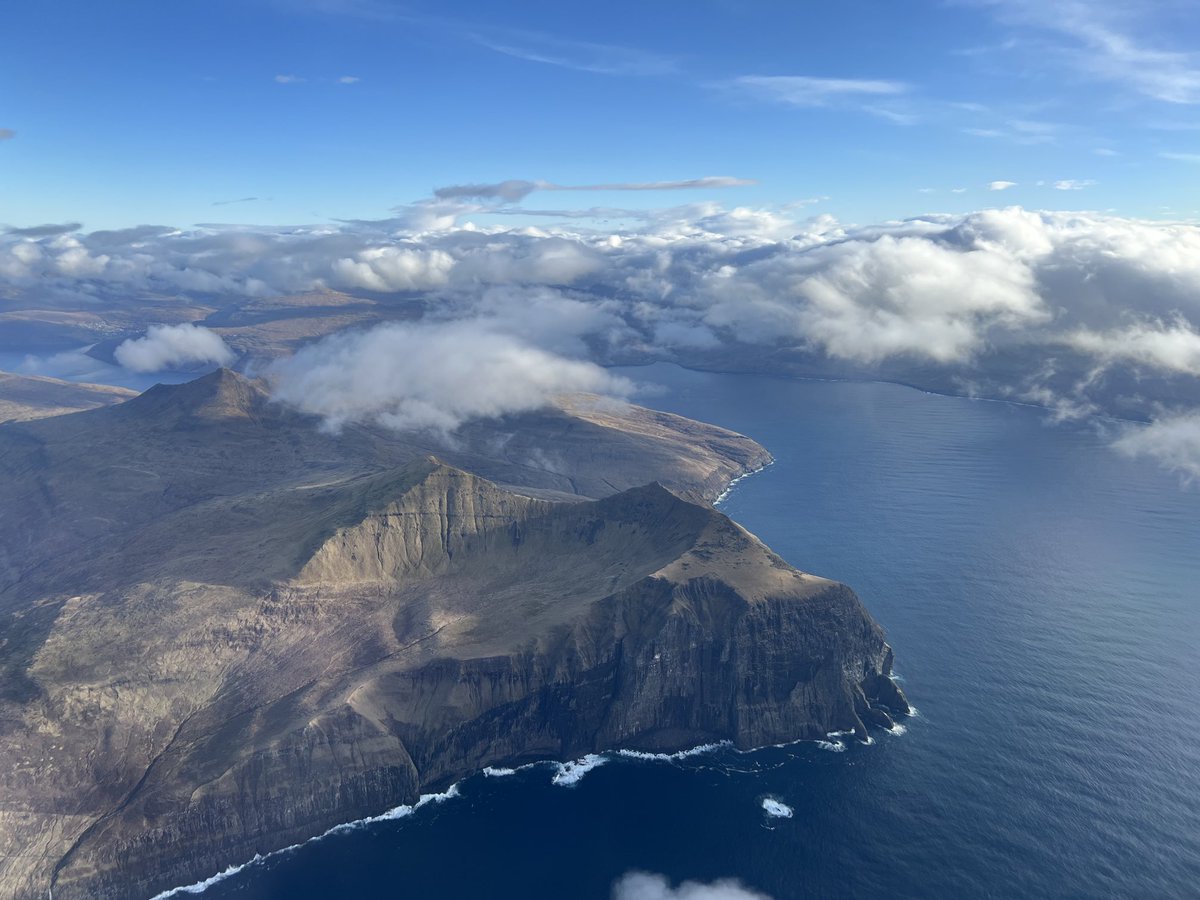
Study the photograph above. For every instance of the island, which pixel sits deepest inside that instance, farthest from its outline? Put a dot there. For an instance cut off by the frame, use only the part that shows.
(225, 628)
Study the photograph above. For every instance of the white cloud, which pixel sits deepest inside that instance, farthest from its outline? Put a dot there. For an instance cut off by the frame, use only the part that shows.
(1073, 184)
(391, 269)
(644, 886)
(985, 298)
(1001, 185)
(1173, 347)
(583, 56)
(288, 79)
(1100, 43)
(349, 79)
(1172, 441)
(430, 375)
(1181, 157)
(872, 300)
(804, 90)
(173, 346)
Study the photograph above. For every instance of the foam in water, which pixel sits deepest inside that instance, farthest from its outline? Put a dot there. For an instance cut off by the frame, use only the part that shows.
(897, 728)
(566, 775)
(774, 808)
(570, 773)
(398, 812)
(728, 490)
(201, 886)
(672, 757)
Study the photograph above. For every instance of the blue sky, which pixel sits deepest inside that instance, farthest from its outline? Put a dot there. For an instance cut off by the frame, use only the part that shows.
(121, 113)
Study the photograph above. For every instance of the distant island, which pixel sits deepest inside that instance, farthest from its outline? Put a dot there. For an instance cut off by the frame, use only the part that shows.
(224, 629)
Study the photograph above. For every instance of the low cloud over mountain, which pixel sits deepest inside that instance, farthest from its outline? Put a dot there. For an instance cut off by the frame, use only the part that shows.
(1079, 311)
(173, 346)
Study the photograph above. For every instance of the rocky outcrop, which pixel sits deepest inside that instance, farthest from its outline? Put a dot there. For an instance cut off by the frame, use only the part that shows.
(182, 707)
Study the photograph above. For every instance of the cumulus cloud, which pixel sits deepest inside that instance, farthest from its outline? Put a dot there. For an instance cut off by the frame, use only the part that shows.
(430, 376)
(1173, 442)
(1001, 185)
(173, 346)
(1172, 347)
(392, 269)
(870, 300)
(1078, 311)
(645, 886)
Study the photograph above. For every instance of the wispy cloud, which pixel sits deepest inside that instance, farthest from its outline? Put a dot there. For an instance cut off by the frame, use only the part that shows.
(804, 90)
(514, 190)
(238, 200)
(289, 79)
(1073, 184)
(583, 56)
(1001, 185)
(1181, 157)
(349, 79)
(1028, 132)
(1099, 44)
(40, 231)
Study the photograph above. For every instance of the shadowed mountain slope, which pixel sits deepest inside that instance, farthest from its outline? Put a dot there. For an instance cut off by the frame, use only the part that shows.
(24, 397)
(225, 630)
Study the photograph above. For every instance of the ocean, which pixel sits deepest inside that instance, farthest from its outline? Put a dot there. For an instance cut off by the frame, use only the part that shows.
(1042, 594)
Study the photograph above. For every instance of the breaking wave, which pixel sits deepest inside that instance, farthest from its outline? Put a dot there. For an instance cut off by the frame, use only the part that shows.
(570, 773)
(398, 812)
(201, 886)
(566, 774)
(776, 809)
(672, 757)
(729, 488)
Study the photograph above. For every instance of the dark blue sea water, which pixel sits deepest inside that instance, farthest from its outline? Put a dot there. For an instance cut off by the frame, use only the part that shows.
(1043, 597)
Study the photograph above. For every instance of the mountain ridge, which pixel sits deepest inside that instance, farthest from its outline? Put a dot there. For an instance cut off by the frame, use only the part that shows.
(228, 668)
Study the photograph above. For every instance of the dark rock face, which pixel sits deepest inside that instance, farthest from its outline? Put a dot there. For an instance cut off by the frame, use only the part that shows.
(182, 712)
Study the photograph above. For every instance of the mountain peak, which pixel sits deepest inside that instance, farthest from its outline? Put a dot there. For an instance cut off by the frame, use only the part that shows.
(222, 394)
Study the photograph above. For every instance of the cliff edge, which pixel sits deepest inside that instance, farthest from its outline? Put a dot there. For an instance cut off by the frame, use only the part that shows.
(232, 671)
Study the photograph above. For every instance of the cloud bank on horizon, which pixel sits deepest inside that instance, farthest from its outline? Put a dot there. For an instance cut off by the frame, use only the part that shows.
(1082, 312)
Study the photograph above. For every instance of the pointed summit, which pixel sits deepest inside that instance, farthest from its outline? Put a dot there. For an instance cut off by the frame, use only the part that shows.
(223, 394)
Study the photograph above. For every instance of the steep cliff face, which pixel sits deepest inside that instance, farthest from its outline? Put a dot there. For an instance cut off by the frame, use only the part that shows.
(182, 712)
